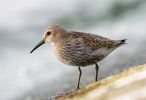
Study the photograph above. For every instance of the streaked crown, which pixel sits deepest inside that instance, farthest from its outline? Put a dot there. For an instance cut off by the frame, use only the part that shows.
(54, 32)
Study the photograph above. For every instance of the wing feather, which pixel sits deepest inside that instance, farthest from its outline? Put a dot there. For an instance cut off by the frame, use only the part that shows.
(95, 41)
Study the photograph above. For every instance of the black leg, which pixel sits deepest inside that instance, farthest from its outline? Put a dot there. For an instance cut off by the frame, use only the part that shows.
(96, 67)
(80, 73)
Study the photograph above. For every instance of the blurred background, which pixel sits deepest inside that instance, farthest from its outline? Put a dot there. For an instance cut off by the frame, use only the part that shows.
(37, 76)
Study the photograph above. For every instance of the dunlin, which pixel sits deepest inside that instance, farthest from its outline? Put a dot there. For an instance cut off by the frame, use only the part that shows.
(78, 48)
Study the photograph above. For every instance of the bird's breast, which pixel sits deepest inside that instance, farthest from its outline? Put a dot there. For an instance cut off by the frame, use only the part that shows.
(64, 54)
(73, 55)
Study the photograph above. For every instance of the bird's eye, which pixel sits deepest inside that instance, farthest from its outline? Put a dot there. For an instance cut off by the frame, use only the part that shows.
(48, 33)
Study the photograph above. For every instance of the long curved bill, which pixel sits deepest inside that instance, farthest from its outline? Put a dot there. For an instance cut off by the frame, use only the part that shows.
(38, 45)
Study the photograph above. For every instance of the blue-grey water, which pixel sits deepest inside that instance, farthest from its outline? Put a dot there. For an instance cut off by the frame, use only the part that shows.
(40, 74)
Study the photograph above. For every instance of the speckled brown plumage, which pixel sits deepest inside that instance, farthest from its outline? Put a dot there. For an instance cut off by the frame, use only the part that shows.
(78, 48)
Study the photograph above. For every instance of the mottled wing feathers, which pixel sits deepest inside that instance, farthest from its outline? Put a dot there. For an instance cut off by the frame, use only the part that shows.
(96, 41)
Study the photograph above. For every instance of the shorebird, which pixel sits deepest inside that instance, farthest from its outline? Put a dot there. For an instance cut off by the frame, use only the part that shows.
(78, 48)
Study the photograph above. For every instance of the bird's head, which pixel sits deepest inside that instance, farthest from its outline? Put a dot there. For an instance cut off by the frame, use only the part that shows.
(51, 35)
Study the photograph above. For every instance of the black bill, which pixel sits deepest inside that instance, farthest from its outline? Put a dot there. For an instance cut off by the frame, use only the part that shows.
(38, 45)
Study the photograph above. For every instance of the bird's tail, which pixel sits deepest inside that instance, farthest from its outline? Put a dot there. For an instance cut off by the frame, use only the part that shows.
(120, 42)
(123, 41)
